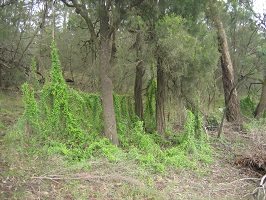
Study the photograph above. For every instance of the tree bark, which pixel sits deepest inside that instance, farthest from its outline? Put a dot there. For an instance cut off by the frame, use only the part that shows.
(103, 47)
(160, 95)
(262, 104)
(106, 81)
(138, 91)
(233, 113)
(138, 80)
(1, 75)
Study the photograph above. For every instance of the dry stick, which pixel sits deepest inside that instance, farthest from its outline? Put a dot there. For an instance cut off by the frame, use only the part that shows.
(245, 179)
(88, 177)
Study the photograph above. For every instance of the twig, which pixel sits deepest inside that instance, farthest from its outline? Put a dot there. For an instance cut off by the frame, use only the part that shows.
(88, 178)
(245, 179)
(263, 180)
(57, 178)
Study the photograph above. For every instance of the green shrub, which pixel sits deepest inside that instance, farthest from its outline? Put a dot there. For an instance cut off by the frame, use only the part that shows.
(248, 106)
(70, 123)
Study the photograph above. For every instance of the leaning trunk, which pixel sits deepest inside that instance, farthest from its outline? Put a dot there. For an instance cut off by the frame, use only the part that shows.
(160, 115)
(262, 104)
(106, 82)
(233, 112)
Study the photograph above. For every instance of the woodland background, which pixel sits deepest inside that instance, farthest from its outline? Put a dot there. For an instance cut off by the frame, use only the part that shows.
(141, 83)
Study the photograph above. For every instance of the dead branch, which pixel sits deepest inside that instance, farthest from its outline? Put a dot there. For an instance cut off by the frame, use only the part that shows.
(88, 177)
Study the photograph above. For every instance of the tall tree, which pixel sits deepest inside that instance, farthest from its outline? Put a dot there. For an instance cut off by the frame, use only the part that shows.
(262, 103)
(261, 107)
(152, 12)
(139, 77)
(108, 14)
(160, 94)
(233, 112)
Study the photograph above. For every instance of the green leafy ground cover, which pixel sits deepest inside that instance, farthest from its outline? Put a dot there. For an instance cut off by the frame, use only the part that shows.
(57, 150)
(69, 123)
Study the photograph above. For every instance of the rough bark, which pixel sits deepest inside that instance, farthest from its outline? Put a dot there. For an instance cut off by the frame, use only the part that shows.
(138, 80)
(138, 91)
(106, 81)
(107, 93)
(160, 97)
(262, 104)
(103, 47)
(232, 103)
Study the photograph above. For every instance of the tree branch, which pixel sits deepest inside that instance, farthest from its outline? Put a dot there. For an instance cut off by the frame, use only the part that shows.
(82, 11)
(67, 4)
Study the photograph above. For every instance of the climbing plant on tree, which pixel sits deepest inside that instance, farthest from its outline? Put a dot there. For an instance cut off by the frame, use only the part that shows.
(108, 15)
(68, 121)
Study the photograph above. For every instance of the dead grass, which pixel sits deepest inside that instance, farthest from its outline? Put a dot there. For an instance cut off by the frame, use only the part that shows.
(38, 176)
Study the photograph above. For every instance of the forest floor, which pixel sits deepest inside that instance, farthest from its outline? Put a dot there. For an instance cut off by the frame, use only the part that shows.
(234, 174)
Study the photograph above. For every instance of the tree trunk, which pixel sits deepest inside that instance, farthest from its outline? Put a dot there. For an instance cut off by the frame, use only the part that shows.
(160, 115)
(233, 113)
(138, 80)
(106, 81)
(138, 91)
(262, 104)
(1, 75)
(103, 47)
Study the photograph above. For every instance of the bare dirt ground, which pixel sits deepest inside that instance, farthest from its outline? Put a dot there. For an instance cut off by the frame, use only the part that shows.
(234, 174)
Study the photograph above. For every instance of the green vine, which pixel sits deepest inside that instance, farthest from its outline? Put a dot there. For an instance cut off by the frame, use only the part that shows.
(31, 109)
(70, 123)
(248, 106)
(33, 80)
(150, 107)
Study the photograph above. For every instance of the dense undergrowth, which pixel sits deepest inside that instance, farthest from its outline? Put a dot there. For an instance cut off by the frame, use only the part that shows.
(63, 121)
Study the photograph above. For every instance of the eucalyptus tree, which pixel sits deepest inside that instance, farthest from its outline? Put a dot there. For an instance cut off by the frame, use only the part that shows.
(245, 42)
(103, 18)
(233, 111)
(261, 107)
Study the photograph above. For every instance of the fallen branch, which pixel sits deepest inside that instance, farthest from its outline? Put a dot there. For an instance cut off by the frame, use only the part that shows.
(245, 179)
(88, 178)
(263, 181)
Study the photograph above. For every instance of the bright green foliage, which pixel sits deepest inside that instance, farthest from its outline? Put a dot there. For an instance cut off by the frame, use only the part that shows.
(188, 140)
(70, 123)
(150, 107)
(105, 148)
(33, 75)
(248, 106)
(70, 119)
(194, 139)
(55, 110)
(92, 104)
(124, 111)
(31, 109)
